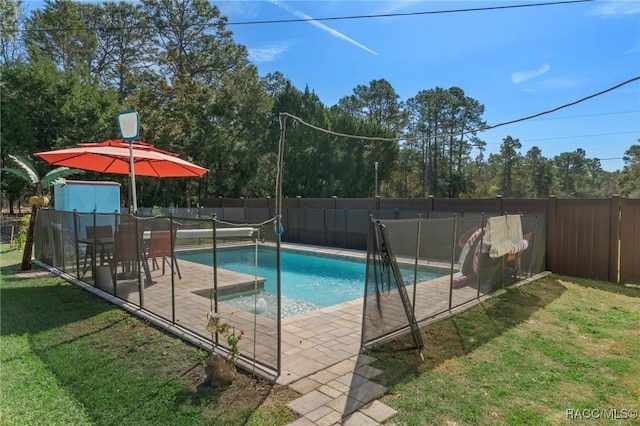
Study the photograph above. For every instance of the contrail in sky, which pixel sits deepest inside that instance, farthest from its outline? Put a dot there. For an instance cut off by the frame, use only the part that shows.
(320, 25)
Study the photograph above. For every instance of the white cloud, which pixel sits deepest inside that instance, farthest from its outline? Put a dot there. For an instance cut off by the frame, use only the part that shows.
(618, 7)
(320, 25)
(261, 55)
(520, 76)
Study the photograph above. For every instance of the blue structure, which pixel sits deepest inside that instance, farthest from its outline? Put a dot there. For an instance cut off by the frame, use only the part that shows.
(87, 196)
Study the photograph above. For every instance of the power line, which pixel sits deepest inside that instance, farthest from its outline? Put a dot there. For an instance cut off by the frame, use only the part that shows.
(390, 15)
(602, 92)
(329, 18)
(482, 129)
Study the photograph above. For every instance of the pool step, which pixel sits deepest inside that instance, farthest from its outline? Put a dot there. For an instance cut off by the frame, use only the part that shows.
(232, 283)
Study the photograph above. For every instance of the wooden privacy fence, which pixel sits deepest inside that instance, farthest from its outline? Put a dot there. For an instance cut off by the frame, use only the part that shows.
(588, 238)
(595, 238)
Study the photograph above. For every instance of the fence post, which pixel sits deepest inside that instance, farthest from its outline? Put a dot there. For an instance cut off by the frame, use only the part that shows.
(172, 245)
(415, 266)
(551, 229)
(345, 228)
(453, 257)
(499, 204)
(483, 226)
(75, 240)
(324, 227)
(614, 239)
(300, 212)
(430, 204)
(334, 229)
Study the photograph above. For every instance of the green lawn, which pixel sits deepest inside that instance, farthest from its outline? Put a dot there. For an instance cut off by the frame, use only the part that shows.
(68, 357)
(525, 357)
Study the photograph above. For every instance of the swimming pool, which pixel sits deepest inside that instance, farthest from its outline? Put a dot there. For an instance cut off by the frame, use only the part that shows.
(309, 280)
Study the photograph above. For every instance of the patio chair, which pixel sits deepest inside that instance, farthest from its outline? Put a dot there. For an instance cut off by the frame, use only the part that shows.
(101, 236)
(128, 247)
(160, 245)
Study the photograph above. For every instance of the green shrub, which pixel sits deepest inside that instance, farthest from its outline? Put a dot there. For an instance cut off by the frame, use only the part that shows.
(21, 239)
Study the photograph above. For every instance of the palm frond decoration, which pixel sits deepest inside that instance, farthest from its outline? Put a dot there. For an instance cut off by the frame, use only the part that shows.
(58, 175)
(30, 173)
(21, 173)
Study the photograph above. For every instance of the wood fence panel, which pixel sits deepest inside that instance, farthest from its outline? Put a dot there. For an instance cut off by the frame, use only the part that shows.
(317, 203)
(580, 238)
(404, 204)
(523, 205)
(356, 204)
(630, 241)
(490, 205)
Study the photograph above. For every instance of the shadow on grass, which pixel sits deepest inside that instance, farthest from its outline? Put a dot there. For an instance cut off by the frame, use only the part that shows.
(44, 304)
(464, 332)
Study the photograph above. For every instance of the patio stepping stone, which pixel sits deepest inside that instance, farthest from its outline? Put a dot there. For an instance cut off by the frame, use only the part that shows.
(378, 411)
(309, 402)
(304, 385)
(359, 419)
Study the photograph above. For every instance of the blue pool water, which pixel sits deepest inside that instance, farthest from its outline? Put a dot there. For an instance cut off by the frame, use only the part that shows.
(309, 281)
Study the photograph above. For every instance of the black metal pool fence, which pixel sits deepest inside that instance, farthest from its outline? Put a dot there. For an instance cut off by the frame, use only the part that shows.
(133, 259)
(475, 256)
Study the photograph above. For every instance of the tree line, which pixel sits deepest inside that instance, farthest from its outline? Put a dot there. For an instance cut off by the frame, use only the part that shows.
(69, 67)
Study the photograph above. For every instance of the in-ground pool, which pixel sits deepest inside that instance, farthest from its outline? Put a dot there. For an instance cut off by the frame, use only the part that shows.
(309, 280)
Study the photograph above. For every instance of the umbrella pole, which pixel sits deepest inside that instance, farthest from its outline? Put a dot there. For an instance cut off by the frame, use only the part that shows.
(133, 180)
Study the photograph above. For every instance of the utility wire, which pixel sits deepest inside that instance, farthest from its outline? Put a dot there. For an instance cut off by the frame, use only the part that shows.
(482, 129)
(563, 106)
(330, 18)
(390, 15)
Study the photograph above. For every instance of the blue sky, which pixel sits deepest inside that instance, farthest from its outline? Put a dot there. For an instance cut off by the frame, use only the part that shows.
(516, 62)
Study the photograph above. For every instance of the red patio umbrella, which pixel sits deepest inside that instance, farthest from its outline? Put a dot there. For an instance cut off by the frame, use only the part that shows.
(112, 156)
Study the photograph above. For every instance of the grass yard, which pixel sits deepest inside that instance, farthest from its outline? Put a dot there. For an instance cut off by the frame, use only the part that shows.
(69, 358)
(525, 357)
(550, 352)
